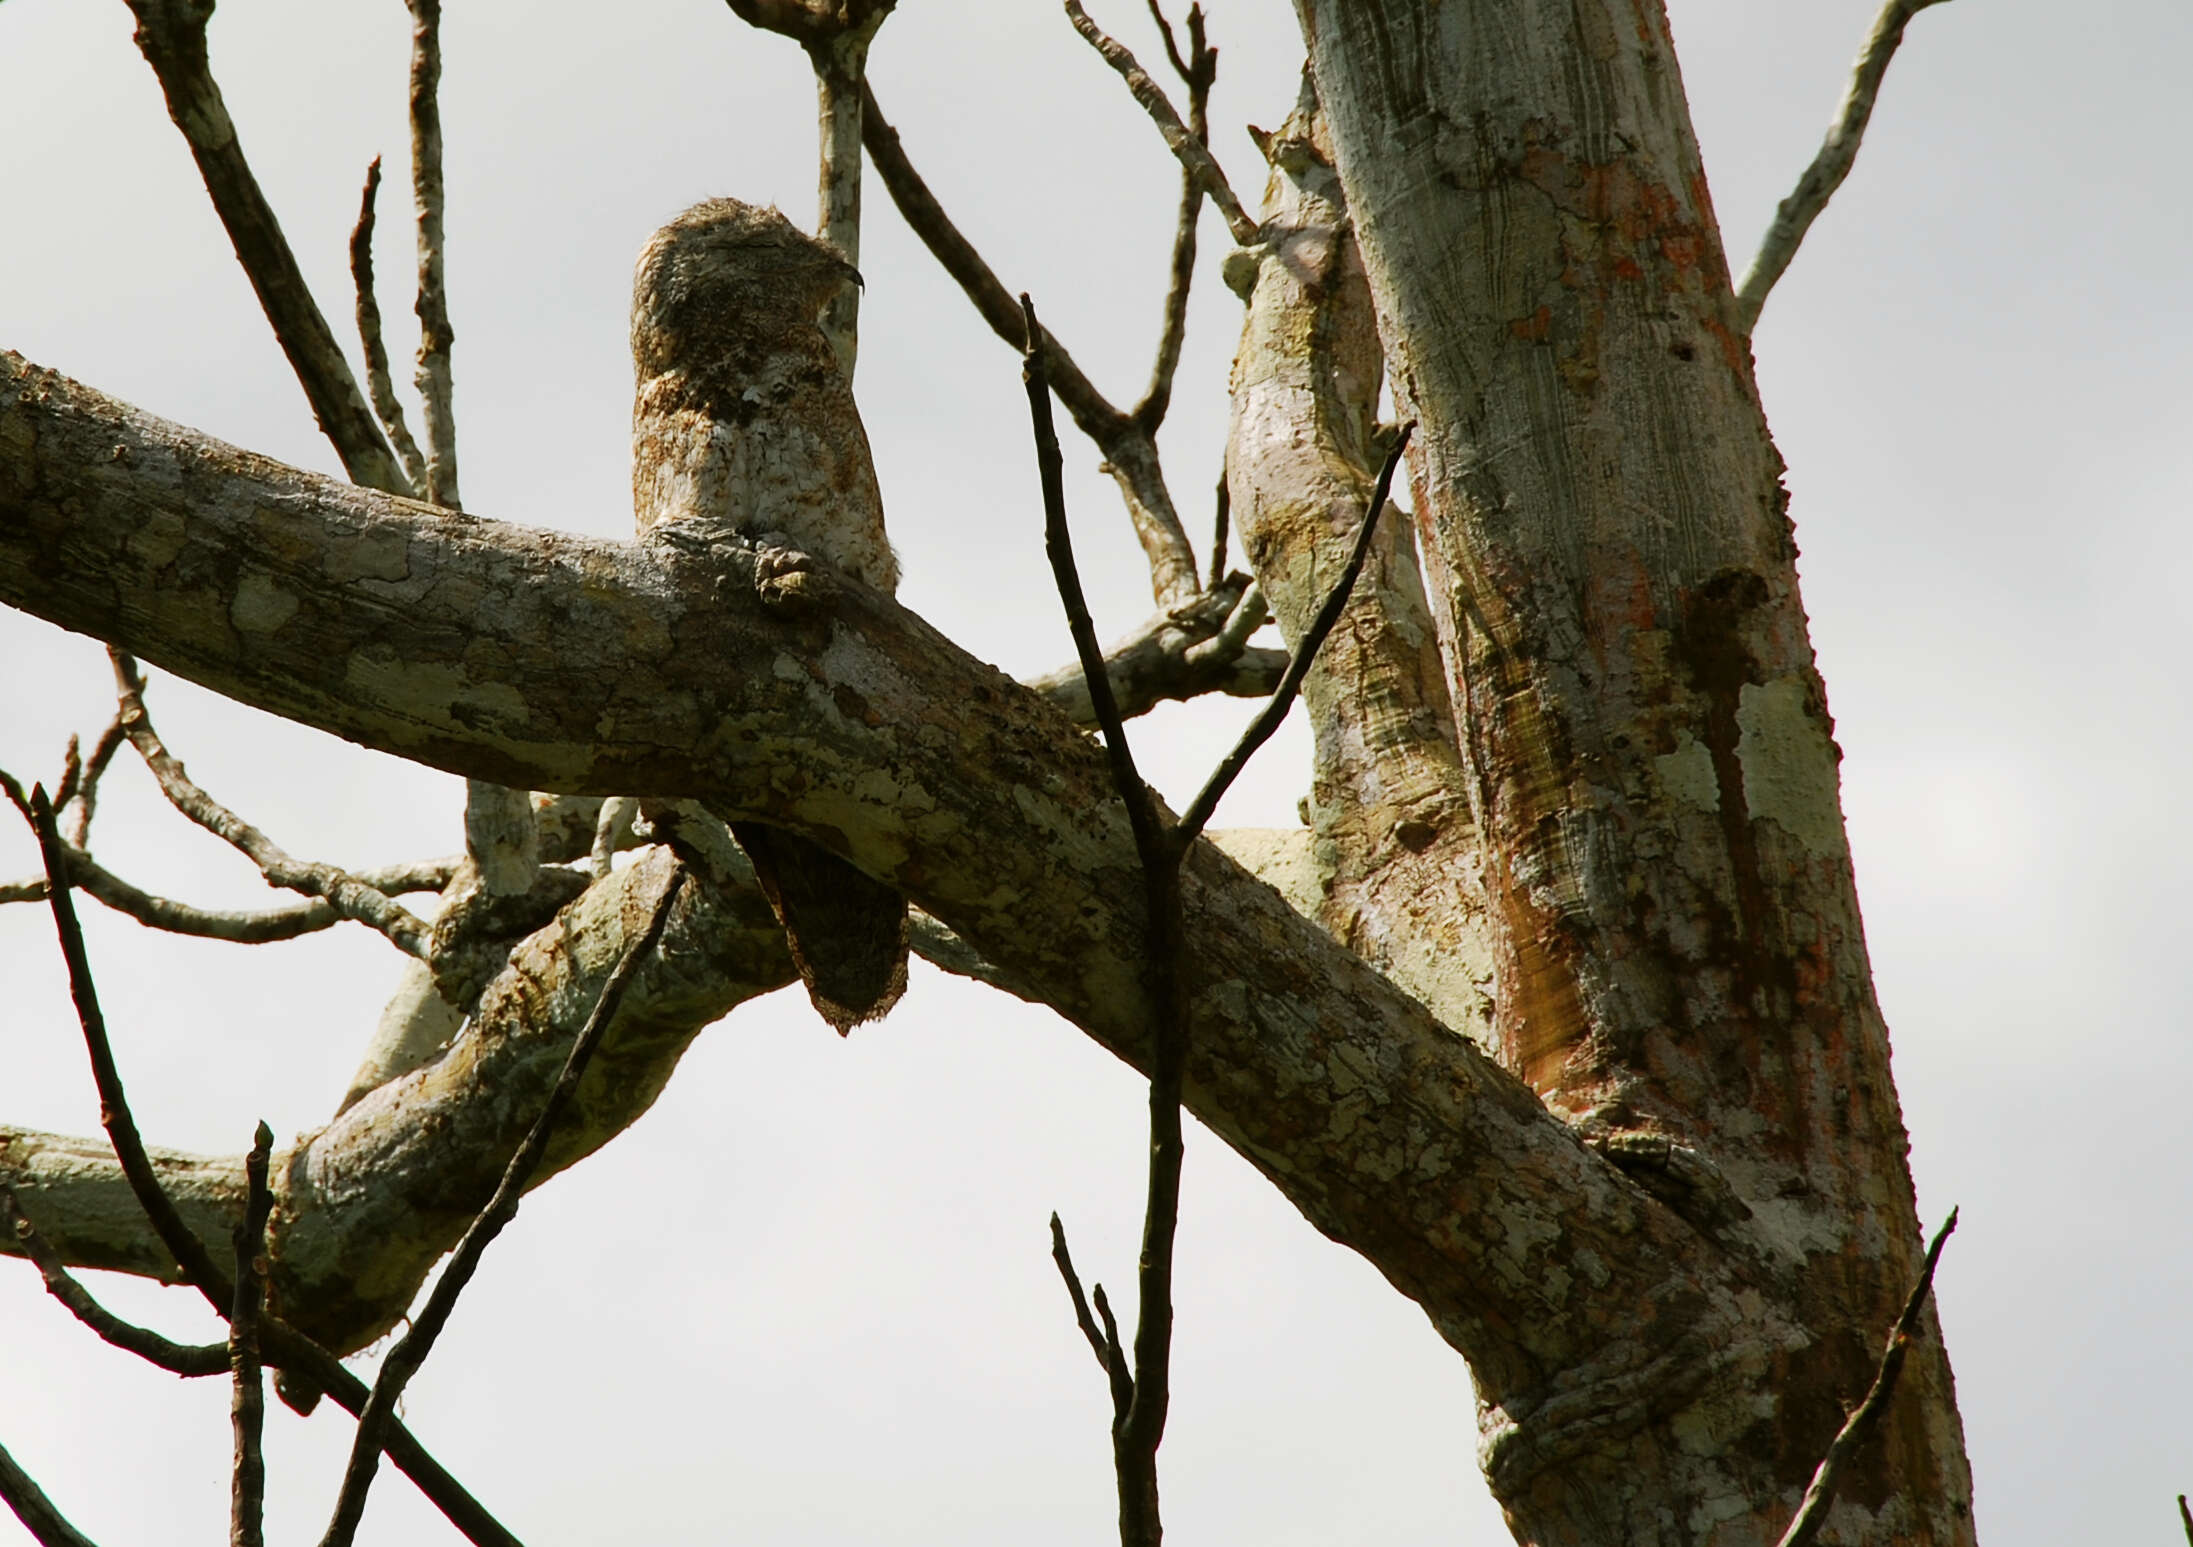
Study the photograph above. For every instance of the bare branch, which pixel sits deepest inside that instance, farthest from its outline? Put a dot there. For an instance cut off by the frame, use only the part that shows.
(247, 1404)
(34, 1509)
(348, 895)
(1193, 154)
(83, 790)
(1866, 1416)
(435, 335)
(1184, 652)
(1198, 71)
(410, 1352)
(1129, 451)
(378, 381)
(1082, 1318)
(242, 926)
(1838, 153)
(176, 1358)
(172, 36)
(2185, 1517)
(1260, 729)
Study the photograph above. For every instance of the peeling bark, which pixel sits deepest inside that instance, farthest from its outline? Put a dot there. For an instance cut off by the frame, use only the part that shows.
(1680, 961)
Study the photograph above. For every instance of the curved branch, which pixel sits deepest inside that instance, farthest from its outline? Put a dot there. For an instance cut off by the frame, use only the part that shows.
(654, 665)
(1838, 154)
(240, 926)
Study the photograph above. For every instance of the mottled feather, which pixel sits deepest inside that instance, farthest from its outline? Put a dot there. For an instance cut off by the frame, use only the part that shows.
(742, 415)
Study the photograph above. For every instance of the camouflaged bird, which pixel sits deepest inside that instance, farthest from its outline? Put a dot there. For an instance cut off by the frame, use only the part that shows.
(743, 416)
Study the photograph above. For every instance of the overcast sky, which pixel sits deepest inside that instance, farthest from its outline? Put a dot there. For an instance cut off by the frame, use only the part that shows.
(808, 1298)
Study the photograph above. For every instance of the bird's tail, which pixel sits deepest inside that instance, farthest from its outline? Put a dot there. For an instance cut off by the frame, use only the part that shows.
(847, 930)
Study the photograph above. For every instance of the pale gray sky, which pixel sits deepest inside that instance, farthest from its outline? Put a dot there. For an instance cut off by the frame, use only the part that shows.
(808, 1299)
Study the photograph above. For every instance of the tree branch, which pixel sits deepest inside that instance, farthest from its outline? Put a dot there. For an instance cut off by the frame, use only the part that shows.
(172, 36)
(241, 926)
(1129, 450)
(1198, 72)
(150, 1346)
(1192, 153)
(654, 666)
(412, 1348)
(34, 1509)
(1838, 153)
(345, 893)
(247, 1404)
(1866, 1416)
(1201, 646)
(436, 387)
(378, 382)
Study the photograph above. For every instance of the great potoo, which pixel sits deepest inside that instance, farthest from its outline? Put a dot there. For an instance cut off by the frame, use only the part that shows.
(742, 416)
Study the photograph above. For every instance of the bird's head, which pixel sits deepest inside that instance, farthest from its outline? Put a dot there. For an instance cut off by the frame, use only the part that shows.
(724, 263)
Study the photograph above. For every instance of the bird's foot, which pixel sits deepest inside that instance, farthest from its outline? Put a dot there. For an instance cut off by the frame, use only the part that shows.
(788, 579)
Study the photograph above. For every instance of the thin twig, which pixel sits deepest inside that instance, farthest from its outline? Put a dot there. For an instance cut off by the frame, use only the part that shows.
(435, 335)
(1139, 1403)
(34, 1509)
(114, 1113)
(1267, 721)
(1191, 152)
(239, 926)
(80, 784)
(247, 1401)
(378, 381)
(172, 36)
(1198, 71)
(2185, 1517)
(344, 892)
(1082, 1318)
(189, 1359)
(1130, 451)
(1838, 153)
(285, 1345)
(1866, 1416)
(411, 1350)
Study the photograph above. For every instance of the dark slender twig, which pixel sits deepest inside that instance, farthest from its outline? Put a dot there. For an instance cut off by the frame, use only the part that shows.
(2185, 1517)
(247, 1401)
(114, 1114)
(379, 384)
(1224, 503)
(285, 1346)
(34, 1509)
(344, 892)
(1130, 451)
(172, 36)
(1267, 721)
(411, 1350)
(1838, 153)
(1192, 153)
(1139, 1401)
(1065, 1261)
(176, 1358)
(435, 334)
(1866, 1416)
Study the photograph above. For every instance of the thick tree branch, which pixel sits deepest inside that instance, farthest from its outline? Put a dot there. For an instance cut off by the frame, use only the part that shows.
(172, 36)
(1838, 154)
(1130, 452)
(561, 662)
(418, 1341)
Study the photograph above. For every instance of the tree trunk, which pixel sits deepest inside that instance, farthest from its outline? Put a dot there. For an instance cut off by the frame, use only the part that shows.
(1680, 964)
